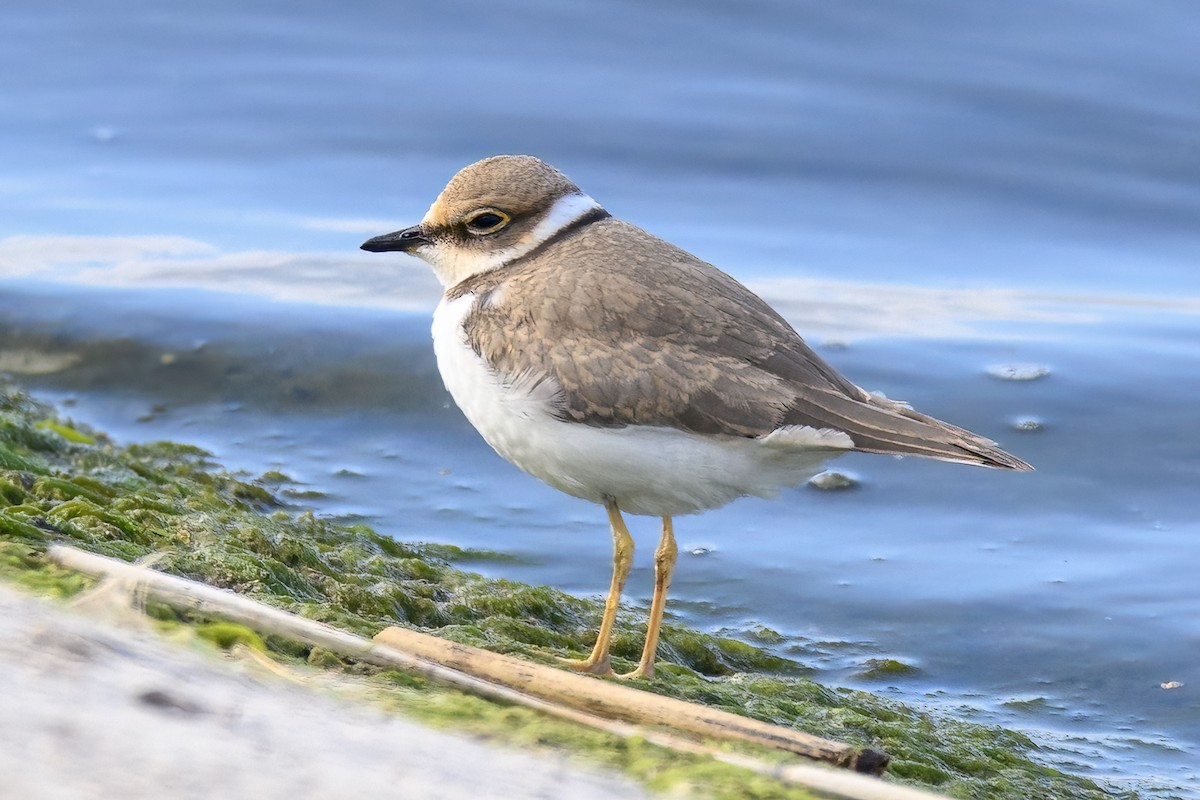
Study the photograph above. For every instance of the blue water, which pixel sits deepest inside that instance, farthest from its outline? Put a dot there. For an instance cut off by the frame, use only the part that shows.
(928, 190)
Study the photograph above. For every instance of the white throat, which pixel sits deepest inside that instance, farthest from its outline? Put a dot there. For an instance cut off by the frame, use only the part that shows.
(452, 265)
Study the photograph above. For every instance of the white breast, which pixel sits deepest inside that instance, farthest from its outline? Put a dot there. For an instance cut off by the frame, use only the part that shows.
(648, 470)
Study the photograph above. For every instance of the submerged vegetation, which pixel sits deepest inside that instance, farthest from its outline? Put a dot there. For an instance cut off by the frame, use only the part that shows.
(61, 483)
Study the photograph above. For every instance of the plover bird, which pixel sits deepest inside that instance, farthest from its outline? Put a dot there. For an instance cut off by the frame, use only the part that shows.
(626, 371)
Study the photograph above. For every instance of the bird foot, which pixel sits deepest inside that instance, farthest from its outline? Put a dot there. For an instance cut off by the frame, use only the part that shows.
(643, 672)
(603, 667)
(600, 666)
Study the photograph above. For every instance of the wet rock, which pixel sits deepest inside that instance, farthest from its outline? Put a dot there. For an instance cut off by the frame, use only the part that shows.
(1018, 372)
(832, 480)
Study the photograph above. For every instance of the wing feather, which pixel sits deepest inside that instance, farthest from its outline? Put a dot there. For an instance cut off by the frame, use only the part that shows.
(661, 338)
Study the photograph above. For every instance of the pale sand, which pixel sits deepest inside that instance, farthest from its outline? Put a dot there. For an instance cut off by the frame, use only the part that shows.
(90, 709)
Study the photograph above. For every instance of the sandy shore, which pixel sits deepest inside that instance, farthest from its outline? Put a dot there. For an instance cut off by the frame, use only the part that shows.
(91, 709)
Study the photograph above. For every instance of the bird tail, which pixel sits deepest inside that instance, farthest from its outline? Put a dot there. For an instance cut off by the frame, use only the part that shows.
(878, 425)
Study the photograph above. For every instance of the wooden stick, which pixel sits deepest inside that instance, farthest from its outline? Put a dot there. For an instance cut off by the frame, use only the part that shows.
(192, 596)
(620, 701)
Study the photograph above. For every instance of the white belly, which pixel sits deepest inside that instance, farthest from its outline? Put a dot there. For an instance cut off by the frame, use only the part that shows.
(647, 470)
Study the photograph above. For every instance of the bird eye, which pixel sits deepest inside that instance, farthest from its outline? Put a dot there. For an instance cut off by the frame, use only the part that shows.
(488, 221)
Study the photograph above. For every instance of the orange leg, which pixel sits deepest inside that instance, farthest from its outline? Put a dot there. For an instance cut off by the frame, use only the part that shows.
(598, 661)
(664, 567)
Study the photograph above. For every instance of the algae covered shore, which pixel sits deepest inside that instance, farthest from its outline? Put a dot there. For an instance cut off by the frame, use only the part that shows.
(61, 482)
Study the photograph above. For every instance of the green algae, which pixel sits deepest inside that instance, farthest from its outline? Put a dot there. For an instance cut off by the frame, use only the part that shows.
(226, 635)
(66, 431)
(660, 770)
(10, 459)
(25, 566)
(878, 669)
(173, 502)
